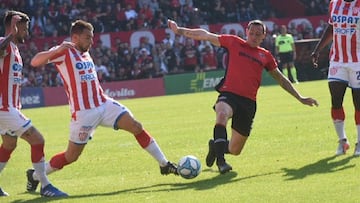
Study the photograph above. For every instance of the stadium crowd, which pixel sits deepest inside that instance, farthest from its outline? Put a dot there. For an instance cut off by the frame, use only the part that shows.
(52, 18)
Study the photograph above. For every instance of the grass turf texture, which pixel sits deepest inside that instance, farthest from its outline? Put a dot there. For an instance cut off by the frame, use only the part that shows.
(288, 158)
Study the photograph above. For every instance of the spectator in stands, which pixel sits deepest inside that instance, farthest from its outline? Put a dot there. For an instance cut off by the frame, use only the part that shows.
(49, 28)
(190, 57)
(120, 17)
(208, 59)
(185, 12)
(168, 39)
(171, 60)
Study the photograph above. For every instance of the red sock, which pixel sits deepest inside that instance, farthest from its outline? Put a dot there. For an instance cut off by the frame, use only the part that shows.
(37, 153)
(338, 114)
(357, 117)
(143, 139)
(5, 154)
(58, 161)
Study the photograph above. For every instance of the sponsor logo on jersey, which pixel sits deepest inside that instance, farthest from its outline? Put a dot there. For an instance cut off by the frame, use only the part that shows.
(83, 65)
(17, 76)
(345, 19)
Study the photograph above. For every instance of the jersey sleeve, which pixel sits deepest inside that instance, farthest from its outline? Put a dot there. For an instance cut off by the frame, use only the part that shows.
(228, 40)
(271, 62)
(57, 57)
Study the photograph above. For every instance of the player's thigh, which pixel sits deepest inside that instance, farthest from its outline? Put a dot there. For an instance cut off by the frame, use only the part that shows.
(237, 142)
(13, 122)
(223, 112)
(119, 116)
(33, 136)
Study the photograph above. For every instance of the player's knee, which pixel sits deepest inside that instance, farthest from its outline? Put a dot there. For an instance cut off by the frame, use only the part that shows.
(72, 158)
(9, 146)
(221, 115)
(236, 151)
(136, 127)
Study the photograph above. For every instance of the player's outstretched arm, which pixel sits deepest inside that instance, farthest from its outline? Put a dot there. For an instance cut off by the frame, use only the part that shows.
(285, 83)
(197, 34)
(43, 57)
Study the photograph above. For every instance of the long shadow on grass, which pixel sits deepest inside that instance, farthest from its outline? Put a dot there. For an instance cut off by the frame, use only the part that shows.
(326, 165)
(192, 185)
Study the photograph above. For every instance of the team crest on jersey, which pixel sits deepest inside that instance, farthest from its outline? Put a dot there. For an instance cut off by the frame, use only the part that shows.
(356, 10)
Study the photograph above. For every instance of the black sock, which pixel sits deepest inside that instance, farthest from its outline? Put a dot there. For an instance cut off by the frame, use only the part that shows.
(220, 141)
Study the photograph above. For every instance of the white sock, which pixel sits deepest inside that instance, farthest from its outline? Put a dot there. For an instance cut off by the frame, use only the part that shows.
(340, 129)
(2, 165)
(156, 152)
(40, 173)
(48, 170)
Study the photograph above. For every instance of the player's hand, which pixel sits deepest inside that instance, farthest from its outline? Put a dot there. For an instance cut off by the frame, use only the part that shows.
(173, 26)
(315, 58)
(309, 101)
(14, 20)
(65, 45)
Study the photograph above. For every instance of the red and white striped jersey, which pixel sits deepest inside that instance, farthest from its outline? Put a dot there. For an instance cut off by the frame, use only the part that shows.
(81, 83)
(345, 19)
(10, 77)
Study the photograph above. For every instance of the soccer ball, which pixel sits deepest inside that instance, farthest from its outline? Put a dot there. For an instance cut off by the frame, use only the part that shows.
(189, 167)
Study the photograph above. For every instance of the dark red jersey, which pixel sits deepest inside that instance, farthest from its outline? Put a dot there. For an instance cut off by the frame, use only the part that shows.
(245, 66)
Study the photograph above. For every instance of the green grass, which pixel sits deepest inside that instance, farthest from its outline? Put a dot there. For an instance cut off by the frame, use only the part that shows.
(288, 158)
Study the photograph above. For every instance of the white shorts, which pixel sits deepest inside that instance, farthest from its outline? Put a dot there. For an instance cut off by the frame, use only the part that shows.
(345, 72)
(84, 123)
(13, 122)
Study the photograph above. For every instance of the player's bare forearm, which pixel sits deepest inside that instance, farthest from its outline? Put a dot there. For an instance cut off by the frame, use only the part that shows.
(41, 58)
(325, 39)
(197, 34)
(285, 83)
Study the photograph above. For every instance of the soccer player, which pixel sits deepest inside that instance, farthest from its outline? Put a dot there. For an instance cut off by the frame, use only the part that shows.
(238, 89)
(344, 67)
(89, 106)
(285, 49)
(14, 124)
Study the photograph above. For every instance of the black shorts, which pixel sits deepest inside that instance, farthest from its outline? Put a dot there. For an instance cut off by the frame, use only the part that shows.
(287, 57)
(244, 110)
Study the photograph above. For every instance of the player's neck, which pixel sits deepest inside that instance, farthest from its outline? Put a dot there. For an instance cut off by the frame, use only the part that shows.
(348, 0)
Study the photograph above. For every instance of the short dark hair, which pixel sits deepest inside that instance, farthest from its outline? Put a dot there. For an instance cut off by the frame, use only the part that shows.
(79, 26)
(257, 22)
(9, 14)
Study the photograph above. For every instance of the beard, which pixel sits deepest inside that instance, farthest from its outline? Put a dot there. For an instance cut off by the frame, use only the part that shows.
(84, 49)
(20, 39)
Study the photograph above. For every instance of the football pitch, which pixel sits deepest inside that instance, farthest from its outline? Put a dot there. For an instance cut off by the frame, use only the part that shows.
(289, 156)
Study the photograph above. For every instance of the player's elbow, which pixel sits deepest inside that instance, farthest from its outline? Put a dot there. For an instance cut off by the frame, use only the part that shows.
(35, 62)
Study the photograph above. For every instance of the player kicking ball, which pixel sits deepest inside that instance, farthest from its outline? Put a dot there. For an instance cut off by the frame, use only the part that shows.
(238, 89)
